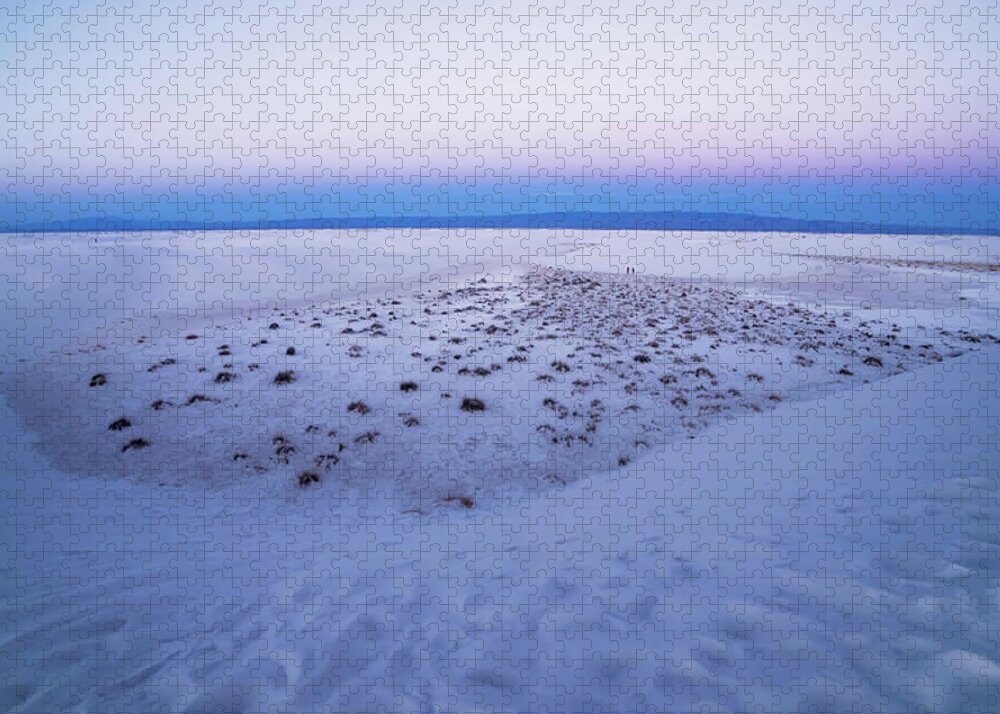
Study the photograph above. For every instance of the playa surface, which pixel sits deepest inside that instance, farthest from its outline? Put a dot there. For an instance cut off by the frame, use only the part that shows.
(432, 471)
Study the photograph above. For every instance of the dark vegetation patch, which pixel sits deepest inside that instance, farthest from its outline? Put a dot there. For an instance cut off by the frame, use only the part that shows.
(283, 448)
(327, 460)
(464, 501)
(199, 398)
(471, 404)
(162, 363)
(307, 478)
(358, 407)
(139, 443)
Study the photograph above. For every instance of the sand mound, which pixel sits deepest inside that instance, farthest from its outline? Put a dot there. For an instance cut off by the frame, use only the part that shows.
(453, 397)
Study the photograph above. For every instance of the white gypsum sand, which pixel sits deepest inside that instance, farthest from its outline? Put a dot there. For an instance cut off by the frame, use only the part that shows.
(823, 548)
(450, 396)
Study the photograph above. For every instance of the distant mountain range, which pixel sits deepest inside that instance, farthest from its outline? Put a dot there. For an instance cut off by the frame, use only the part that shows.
(583, 220)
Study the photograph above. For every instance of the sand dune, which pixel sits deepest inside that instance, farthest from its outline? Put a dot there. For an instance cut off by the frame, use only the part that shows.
(448, 397)
(554, 488)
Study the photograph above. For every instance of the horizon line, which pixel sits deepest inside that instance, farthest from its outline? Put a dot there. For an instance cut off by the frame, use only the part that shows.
(548, 220)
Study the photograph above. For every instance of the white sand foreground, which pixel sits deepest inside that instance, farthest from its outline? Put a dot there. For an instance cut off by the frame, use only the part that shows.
(832, 549)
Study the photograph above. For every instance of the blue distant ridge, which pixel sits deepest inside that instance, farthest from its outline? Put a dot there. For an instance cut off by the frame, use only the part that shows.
(582, 220)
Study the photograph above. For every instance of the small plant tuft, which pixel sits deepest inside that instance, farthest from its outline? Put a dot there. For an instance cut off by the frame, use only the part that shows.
(358, 407)
(139, 443)
(307, 478)
(119, 424)
(471, 404)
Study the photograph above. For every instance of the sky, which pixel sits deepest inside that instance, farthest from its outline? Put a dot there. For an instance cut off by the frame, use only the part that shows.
(219, 112)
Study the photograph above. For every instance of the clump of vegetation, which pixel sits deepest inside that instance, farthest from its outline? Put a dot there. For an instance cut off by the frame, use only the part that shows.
(119, 424)
(464, 501)
(471, 404)
(284, 377)
(224, 377)
(307, 478)
(139, 443)
(290, 352)
(99, 380)
(162, 363)
(283, 448)
(409, 387)
(358, 407)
